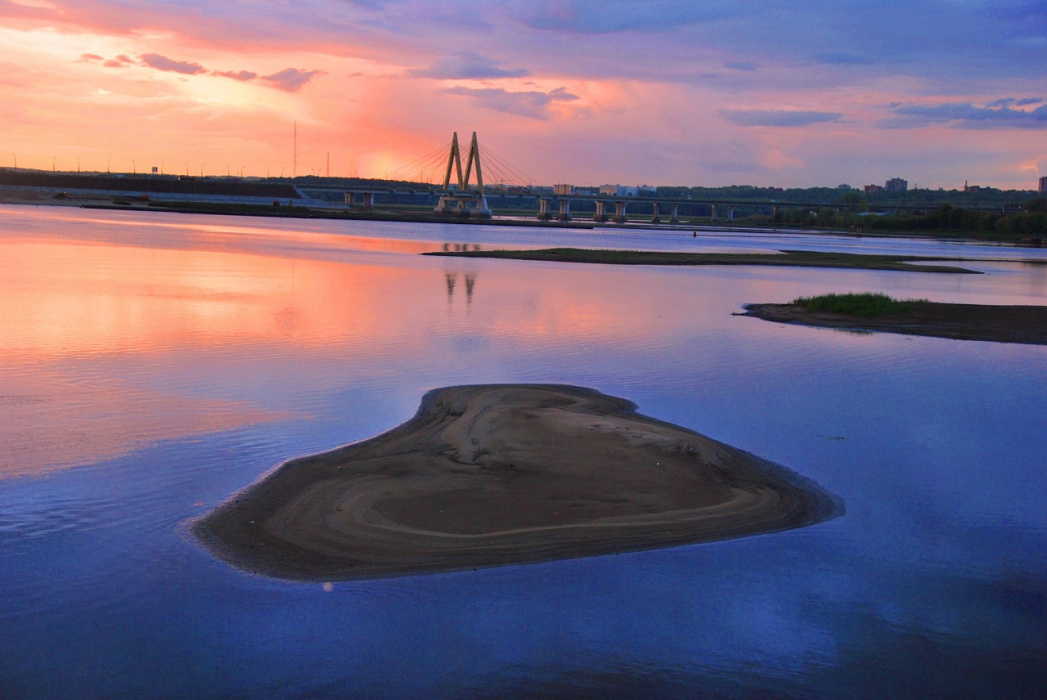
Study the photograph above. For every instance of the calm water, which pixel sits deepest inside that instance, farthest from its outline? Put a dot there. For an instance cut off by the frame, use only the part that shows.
(151, 365)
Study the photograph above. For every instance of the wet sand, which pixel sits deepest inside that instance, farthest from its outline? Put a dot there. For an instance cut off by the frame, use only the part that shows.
(505, 474)
(1002, 324)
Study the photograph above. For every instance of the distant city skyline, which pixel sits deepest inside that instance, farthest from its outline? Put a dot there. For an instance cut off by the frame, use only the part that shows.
(668, 92)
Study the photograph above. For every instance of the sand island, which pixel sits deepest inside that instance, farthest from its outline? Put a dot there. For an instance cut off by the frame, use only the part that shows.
(505, 474)
(783, 258)
(994, 323)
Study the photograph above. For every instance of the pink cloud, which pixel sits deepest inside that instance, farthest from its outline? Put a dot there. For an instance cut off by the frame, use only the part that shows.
(120, 61)
(290, 79)
(778, 117)
(532, 104)
(998, 114)
(155, 60)
(243, 76)
(468, 66)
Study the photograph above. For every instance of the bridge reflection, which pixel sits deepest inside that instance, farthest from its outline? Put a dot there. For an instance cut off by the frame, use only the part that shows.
(451, 279)
(460, 247)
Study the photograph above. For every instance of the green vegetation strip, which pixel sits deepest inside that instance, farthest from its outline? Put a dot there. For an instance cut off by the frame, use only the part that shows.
(786, 258)
(866, 305)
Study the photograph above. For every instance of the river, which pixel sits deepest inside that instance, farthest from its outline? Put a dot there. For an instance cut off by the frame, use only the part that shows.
(151, 365)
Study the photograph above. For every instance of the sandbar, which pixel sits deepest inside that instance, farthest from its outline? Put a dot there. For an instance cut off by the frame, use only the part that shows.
(995, 323)
(505, 474)
(783, 258)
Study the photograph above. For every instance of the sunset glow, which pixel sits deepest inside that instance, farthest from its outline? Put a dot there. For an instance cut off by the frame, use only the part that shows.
(669, 92)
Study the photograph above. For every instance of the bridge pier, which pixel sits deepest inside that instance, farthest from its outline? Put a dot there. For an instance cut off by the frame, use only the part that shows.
(447, 205)
(464, 205)
(675, 218)
(543, 209)
(368, 200)
(730, 213)
(565, 210)
(619, 212)
(600, 215)
(713, 217)
(655, 219)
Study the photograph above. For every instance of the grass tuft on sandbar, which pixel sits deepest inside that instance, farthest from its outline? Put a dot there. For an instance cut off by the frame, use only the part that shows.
(862, 305)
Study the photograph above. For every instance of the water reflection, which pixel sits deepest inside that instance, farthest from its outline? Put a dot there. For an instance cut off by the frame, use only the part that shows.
(54, 419)
(65, 299)
(470, 284)
(99, 340)
(451, 279)
(460, 247)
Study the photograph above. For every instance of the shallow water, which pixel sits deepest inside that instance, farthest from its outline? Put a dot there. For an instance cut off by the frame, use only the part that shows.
(151, 365)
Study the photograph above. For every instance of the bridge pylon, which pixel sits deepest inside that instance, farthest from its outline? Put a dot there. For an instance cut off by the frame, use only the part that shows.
(463, 202)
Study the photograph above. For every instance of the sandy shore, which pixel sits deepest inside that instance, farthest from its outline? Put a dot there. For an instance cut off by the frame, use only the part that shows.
(505, 474)
(1002, 324)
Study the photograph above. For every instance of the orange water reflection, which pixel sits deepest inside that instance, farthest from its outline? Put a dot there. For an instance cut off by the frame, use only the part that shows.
(82, 317)
(66, 298)
(53, 421)
(70, 305)
(79, 299)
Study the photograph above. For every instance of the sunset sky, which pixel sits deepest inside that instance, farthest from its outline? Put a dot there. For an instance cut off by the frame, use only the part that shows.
(587, 92)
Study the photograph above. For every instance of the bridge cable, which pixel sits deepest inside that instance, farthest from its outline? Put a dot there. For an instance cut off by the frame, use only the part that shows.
(423, 164)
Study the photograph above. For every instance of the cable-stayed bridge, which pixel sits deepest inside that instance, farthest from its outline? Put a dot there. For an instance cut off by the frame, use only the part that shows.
(461, 198)
(431, 175)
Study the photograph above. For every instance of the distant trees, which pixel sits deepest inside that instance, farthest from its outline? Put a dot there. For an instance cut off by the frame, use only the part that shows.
(826, 196)
(945, 218)
(853, 199)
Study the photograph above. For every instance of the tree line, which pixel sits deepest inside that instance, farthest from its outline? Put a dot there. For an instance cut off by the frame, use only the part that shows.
(1031, 221)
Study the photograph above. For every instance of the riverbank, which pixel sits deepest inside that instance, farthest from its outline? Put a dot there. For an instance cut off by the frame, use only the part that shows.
(505, 474)
(785, 258)
(1001, 324)
(295, 210)
(285, 209)
(304, 208)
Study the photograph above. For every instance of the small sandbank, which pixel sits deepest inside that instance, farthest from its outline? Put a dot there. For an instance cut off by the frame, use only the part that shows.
(1001, 324)
(783, 258)
(505, 474)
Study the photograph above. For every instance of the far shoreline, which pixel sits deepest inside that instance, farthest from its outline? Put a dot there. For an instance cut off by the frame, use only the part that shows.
(303, 210)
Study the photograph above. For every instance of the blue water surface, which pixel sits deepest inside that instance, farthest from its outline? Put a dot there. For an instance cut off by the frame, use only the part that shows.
(183, 357)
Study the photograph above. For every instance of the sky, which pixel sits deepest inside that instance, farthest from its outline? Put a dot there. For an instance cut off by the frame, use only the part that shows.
(587, 92)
